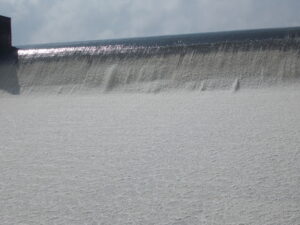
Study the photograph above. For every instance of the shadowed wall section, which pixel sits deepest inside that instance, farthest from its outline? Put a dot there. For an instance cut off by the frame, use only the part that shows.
(9, 82)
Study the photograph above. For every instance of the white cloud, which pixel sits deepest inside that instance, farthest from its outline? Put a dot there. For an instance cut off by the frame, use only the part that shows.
(40, 21)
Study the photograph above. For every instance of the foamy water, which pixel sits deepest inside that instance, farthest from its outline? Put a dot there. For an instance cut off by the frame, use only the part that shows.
(84, 141)
(213, 61)
(182, 158)
(156, 69)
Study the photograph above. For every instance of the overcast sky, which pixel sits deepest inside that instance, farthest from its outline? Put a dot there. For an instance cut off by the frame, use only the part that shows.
(44, 21)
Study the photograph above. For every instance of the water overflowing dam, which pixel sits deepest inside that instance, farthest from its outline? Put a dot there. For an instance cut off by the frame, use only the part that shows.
(72, 155)
(254, 58)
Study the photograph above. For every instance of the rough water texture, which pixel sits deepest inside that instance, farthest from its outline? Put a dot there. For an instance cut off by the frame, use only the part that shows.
(183, 158)
(91, 69)
(84, 141)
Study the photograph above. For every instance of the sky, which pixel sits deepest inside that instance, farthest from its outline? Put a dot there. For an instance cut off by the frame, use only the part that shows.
(48, 21)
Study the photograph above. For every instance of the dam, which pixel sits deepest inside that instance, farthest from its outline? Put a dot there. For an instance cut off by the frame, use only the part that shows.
(180, 129)
(254, 58)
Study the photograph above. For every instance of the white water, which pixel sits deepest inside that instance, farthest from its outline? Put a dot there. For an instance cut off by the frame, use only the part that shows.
(70, 154)
(183, 158)
(152, 73)
(77, 70)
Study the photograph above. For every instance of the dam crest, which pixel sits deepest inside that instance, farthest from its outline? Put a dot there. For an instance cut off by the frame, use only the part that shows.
(209, 61)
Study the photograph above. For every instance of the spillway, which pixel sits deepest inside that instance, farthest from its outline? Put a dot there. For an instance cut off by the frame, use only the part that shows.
(256, 58)
(83, 140)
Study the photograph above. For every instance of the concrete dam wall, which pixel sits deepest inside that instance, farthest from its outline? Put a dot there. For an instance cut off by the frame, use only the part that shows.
(221, 60)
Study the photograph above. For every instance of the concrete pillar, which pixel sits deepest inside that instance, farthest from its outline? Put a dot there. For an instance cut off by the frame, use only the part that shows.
(5, 33)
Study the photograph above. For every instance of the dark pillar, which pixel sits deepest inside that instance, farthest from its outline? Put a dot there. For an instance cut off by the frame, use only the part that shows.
(8, 59)
(5, 33)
